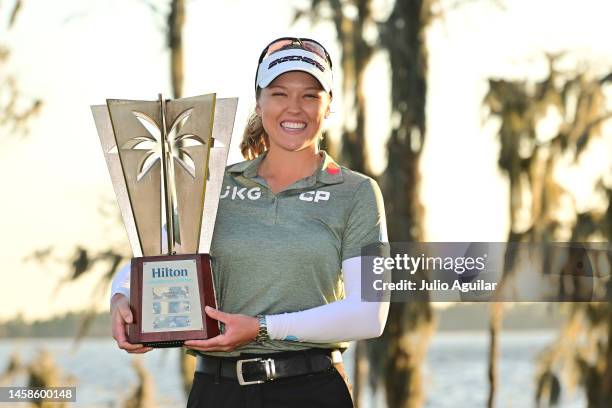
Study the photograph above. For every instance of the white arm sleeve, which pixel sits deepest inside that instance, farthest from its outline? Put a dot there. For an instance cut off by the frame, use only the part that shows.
(121, 282)
(344, 320)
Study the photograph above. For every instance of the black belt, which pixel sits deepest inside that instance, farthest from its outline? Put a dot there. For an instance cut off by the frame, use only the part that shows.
(267, 367)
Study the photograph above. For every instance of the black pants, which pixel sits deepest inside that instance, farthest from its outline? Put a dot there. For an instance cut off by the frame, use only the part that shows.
(319, 390)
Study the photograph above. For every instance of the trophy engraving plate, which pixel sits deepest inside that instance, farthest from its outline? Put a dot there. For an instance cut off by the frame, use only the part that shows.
(171, 288)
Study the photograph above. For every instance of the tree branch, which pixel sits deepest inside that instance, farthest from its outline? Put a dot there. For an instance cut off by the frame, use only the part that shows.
(14, 13)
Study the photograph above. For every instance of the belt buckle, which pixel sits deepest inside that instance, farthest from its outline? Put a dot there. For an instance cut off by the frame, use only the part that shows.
(268, 364)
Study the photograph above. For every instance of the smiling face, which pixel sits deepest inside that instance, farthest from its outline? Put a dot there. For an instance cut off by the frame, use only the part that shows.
(292, 109)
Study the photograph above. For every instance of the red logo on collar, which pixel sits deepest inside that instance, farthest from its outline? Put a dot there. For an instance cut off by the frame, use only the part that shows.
(332, 169)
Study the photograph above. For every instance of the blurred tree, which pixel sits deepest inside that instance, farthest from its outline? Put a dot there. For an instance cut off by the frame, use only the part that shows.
(172, 12)
(356, 53)
(404, 343)
(14, 368)
(15, 109)
(537, 198)
(396, 357)
(143, 395)
(43, 372)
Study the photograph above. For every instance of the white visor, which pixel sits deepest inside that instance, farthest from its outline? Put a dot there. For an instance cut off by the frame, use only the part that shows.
(294, 59)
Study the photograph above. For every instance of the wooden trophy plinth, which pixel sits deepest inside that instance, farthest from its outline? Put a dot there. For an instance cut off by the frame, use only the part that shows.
(168, 295)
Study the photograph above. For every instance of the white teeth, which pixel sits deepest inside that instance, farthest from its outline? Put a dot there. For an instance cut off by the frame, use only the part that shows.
(293, 125)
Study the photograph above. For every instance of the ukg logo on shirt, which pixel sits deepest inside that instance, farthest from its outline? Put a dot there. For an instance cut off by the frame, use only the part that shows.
(241, 193)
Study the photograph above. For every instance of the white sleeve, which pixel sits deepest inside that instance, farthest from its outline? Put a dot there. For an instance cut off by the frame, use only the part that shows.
(121, 282)
(344, 320)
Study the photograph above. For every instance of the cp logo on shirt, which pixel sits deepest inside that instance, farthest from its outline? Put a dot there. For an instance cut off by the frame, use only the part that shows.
(315, 196)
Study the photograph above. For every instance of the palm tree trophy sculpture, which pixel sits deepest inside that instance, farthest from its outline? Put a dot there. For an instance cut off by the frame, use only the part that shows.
(166, 159)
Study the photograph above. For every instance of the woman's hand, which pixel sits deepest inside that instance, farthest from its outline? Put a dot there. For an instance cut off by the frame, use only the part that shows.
(121, 315)
(239, 329)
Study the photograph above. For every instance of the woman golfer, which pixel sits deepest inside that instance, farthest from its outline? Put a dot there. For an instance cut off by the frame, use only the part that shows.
(286, 252)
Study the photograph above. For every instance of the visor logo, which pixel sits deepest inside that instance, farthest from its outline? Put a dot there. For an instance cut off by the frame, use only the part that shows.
(297, 58)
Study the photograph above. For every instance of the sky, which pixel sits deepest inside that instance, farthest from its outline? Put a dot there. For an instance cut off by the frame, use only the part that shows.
(74, 54)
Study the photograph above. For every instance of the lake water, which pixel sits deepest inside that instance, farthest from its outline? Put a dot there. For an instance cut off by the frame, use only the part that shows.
(455, 370)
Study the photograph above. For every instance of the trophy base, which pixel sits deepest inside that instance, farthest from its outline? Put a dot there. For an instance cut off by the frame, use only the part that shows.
(164, 344)
(168, 295)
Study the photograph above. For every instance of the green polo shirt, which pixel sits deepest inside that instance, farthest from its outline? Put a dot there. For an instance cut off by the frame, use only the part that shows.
(278, 253)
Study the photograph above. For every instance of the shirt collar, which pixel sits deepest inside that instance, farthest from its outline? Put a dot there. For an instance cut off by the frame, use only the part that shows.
(328, 172)
(248, 167)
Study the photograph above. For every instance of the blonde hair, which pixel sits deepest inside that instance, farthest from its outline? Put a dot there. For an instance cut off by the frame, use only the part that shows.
(254, 139)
